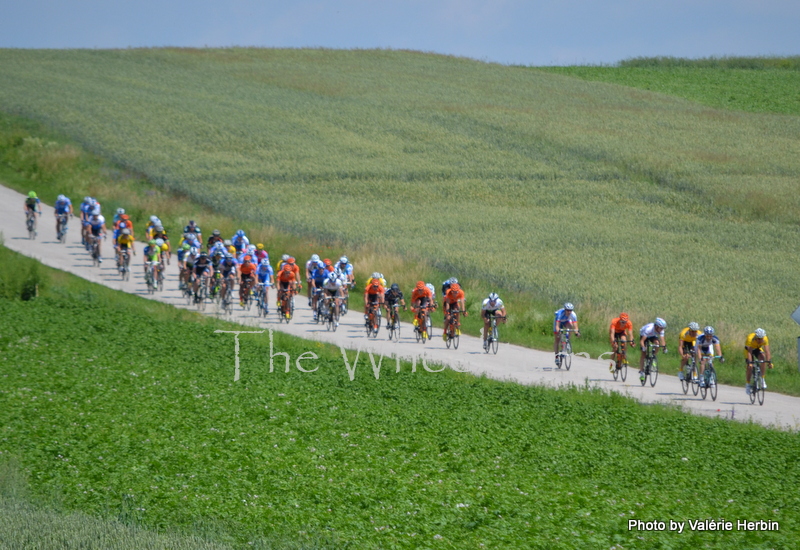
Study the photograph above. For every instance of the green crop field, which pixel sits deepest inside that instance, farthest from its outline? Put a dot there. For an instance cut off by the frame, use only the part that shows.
(757, 85)
(126, 410)
(549, 185)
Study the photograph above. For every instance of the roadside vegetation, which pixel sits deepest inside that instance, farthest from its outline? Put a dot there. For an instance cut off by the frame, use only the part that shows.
(126, 410)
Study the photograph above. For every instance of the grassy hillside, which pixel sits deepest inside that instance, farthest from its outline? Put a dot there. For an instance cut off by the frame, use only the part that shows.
(756, 85)
(554, 187)
(131, 413)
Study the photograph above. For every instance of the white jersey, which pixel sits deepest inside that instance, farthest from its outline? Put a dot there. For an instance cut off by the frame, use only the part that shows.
(333, 283)
(649, 331)
(487, 306)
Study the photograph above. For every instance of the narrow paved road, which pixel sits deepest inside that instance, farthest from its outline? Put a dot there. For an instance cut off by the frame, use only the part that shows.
(513, 363)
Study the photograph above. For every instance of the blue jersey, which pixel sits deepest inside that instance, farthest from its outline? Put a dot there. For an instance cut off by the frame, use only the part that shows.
(264, 272)
(319, 274)
(704, 343)
(227, 265)
(62, 207)
(562, 316)
(344, 269)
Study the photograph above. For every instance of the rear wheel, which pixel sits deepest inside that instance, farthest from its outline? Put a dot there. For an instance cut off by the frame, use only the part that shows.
(687, 378)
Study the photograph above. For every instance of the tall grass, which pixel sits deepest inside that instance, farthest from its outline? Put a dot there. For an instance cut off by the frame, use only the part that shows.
(791, 63)
(531, 182)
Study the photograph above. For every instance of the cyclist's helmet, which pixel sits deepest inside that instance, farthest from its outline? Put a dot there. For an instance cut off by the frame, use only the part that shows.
(327, 262)
(186, 246)
(695, 327)
(455, 286)
(87, 200)
(380, 275)
(126, 231)
(493, 297)
(376, 275)
(227, 242)
(660, 323)
(315, 257)
(761, 333)
(343, 259)
(61, 198)
(623, 317)
(32, 194)
(395, 287)
(120, 211)
(153, 219)
(453, 281)
(332, 276)
(152, 242)
(125, 217)
(100, 219)
(568, 306)
(708, 331)
(215, 232)
(291, 259)
(260, 246)
(285, 258)
(159, 228)
(287, 267)
(193, 251)
(240, 233)
(329, 268)
(203, 254)
(420, 285)
(160, 242)
(123, 225)
(247, 258)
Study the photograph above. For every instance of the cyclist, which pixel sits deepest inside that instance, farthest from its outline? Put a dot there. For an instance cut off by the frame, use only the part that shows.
(265, 276)
(707, 344)
(332, 287)
(756, 346)
(284, 261)
(392, 297)
(202, 266)
(151, 225)
(453, 300)
(373, 294)
(214, 239)
(379, 276)
(247, 272)
(63, 207)
(85, 209)
(318, 275)
(97, 228)
(260, 254)
(287, 281)
(117, 216)
(183, 252)
(33, 205)
(447, 283)
(240, 241)
(152, 254)
(564, 318)
(651, 332)
(124, 242)
(191, 229)
(295, 270)
(433, 304)
(492, 305)
(345, 268)
(420, 300)
(311, 265)
(687, 340)
(160, 233)
(621, 328)
(228, 268)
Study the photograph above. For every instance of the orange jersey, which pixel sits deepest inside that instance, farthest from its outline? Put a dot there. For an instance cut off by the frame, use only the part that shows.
(375, 289)
(286, 276)
(416, 294)
(619, 326)
(128, 224)
(247, 269)
(295, 269)
(454, 296)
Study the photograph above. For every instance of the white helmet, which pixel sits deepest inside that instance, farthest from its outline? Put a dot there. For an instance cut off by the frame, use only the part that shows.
(660, 323)
(153, 219)
(694, 326)
(315, 257)
(120, 211)
(193, 251)
(61, 198)
(568, 306)
(761, 333)
(101, 219)
(285, 258)
(343, 259)
(493, 297)
(160, 242)
(376, 275)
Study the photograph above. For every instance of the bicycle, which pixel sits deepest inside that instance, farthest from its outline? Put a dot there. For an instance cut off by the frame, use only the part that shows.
(492, 341)
(95, 248)
(372, 319)
(331, 318)
(124, 264)
(30, 223)
(216, 286)
(61, 234)
(319, 312)
(202, 292)
(709, 378)
(261, 299)
(690, 375)
(422, 328)
(393, 325)
(620, 360)
(453, 330)
(565, 352)
(650, 364)
(150, 277)
(285, 305)
(759, 385)
(246, 294)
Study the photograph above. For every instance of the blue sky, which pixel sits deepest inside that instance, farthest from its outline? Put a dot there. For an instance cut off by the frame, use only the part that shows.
(537, 32)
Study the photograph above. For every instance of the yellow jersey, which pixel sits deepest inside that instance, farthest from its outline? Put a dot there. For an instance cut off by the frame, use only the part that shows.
(753, 343)
(125, 240)
(689, 336)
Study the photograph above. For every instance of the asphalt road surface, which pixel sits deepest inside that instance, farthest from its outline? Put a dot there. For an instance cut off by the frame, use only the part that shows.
(512, 363)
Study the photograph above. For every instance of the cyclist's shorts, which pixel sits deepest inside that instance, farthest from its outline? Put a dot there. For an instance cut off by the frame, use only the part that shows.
(687, 347)
(486, 313)
(331, 293)
(246, 278)
(285, 285)
(373, 298)
(756, 352)
(565, 324)
(123, 246)
(651, 340)
(200, 270)
(96, 230)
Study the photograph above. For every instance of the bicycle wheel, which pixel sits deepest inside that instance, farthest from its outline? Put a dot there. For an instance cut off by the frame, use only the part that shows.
(617, 367)
(455, 340)
(761, 390)
(31, 231)
(495, 340)
(712, 384)
(687, 378)
(623, 371)
(653, 372)
(418, 333)
(643, 379)
(449, 333)
(160, 279)
(566, 358)
(703, 385)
